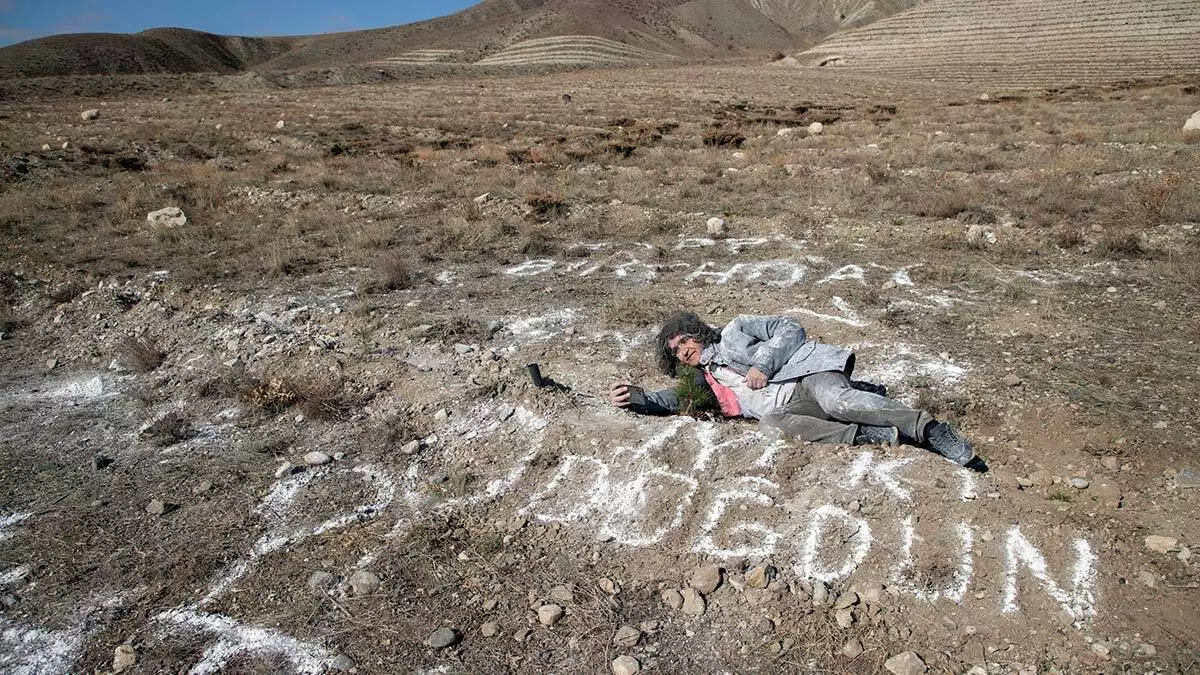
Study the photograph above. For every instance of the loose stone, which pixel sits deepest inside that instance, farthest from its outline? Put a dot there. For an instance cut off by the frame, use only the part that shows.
(820, 593)
(124, 658)
(363, 582)
(759, 577)
(1160, 544)
(847, 599)
(321, 581)
(671, 598)
(627, 636)
(562, 594)
(442, 637)
(626, 665)
(706, 579)
(316, 458)
(549, 615)
(907, 663)
(693, 602)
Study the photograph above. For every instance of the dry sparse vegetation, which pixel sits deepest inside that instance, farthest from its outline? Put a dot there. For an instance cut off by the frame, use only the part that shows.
(329, 270)
(139, 354)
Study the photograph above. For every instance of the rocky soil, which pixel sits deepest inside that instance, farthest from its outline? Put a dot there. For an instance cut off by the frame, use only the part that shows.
(297, 432)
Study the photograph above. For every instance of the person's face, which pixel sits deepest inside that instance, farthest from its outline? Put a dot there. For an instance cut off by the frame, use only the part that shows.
(686, 349)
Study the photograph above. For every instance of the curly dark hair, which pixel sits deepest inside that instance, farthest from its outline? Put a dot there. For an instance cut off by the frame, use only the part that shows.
(681, 323)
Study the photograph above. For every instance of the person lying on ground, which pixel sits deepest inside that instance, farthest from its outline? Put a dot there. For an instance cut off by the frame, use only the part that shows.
(763, 367)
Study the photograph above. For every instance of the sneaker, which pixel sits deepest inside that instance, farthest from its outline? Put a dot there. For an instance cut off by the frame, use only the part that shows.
(945, 441)
(870, 435)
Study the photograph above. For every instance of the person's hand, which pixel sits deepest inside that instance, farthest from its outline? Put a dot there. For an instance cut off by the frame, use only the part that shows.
(618, 395)
(756, 379)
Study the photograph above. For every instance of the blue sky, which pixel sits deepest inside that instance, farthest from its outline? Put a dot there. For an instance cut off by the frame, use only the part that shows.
(27, 19)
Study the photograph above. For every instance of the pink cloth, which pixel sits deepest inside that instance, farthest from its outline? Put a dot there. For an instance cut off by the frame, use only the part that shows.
(725, 396)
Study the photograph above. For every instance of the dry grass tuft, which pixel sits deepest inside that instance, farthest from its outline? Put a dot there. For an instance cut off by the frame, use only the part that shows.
(168, 429)
(457, 329)
(648, 311)
(1147, 200)
(394, 272)
(318, 395)
(723, 138)
(546, 205)
(9, 321)
(141, 355)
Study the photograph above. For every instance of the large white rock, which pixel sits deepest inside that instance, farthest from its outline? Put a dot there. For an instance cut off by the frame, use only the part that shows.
(168, 218)
(1193, 122)
(89, 114)
(815, 128)
(716, 226)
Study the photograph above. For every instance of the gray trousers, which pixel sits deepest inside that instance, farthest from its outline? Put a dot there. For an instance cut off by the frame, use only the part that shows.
(824, 408)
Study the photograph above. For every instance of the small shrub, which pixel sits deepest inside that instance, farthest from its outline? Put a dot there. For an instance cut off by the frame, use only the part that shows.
(1146, 202)
(720, 138)
(66, 292)
(319, 396)
(539, 245)
(1069, 236)
(519, 155)
(140, 355)
(168, 429)
(227, 383)
(9, 321)
(694, 398)
(878, 173)
(1122, 243)
(546, 205)
(621, 149)
(393, 271)
(457, 329)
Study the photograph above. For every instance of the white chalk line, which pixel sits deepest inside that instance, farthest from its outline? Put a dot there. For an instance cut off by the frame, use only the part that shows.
(903, 573)
(882, 473)
(1079, 603)
(751, 493)
(860, 535)
(237, 639)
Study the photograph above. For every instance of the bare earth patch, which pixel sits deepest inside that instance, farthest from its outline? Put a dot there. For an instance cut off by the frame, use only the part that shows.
(297, 433)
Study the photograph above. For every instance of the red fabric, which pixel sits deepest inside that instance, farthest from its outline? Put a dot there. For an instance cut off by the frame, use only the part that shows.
(725, 396)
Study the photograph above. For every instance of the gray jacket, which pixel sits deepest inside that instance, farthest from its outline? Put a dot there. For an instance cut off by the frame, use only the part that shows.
(776, 345)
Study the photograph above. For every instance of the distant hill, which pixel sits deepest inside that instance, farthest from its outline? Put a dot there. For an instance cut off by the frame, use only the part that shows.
(651, 29)
(1023, 42)
(160, 50)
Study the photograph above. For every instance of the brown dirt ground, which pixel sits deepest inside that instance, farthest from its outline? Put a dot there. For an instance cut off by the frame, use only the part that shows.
(342, 280)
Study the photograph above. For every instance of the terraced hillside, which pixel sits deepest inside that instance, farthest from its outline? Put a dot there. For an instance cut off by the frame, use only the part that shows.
(1023, 42)
(424, 56)
(576, 50)
(815, 19)
(487, 30)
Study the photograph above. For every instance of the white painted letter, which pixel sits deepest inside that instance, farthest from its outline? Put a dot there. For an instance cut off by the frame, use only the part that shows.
(751, 493)
(902, 575)
(1080, 603)
(859, 533)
